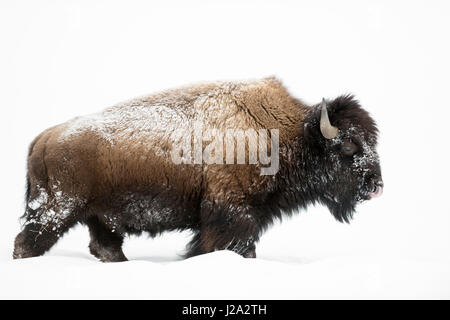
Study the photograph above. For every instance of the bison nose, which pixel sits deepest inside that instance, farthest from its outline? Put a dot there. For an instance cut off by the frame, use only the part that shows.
(378, 190)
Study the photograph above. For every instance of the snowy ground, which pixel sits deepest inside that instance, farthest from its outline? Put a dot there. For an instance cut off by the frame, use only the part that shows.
(75, 275)
(289, 266)
(63, 59)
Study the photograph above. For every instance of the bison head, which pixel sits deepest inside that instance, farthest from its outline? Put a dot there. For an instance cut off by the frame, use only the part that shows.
(342, 139)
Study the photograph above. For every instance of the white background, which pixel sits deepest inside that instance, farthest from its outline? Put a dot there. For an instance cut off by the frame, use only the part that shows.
(60, 59)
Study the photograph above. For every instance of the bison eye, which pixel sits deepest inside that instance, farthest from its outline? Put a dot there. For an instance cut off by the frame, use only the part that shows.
(349, 148)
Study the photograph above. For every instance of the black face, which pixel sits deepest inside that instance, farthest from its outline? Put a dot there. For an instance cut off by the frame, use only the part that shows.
(349, 168)
(354, 171)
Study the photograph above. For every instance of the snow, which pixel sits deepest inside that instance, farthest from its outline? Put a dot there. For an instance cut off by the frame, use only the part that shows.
(292, 263)
(40, 200)
(223, 275)
(59, 61)
(46, 215)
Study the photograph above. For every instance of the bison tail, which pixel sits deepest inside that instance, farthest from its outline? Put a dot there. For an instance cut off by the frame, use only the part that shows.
(27, 183)
(27, 196)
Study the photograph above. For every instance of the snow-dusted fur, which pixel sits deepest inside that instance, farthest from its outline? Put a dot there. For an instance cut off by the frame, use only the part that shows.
(113, 171)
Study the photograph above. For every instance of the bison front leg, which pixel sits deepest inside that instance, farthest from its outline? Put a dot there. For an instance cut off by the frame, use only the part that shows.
(233, 229)
(105, 244)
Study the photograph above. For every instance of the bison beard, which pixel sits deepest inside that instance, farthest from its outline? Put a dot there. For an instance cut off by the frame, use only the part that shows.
(112, 171)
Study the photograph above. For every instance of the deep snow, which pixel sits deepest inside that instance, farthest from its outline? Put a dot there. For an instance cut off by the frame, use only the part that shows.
(224, 275)
(285, 268)
(70, 273)
(64, 59)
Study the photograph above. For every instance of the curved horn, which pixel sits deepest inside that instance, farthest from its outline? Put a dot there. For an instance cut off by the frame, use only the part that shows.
(328, 131)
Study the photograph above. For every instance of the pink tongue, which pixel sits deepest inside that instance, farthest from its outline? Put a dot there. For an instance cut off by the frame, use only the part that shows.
(376, 194)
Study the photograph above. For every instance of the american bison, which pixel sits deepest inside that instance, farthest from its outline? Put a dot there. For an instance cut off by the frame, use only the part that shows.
(135, 167)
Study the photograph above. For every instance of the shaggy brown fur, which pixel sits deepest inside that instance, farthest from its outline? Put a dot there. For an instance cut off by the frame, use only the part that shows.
(113, 172)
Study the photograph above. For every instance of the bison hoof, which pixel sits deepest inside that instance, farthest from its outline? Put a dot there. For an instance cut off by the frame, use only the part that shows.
(116, 258)
(18, 254)
(25, 248)
(107, 254)
(22, 252)
(251, 253)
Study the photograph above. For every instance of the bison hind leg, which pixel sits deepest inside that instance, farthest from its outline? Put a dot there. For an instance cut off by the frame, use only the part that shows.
(105, 244)
(37, 236)
(48, 215)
